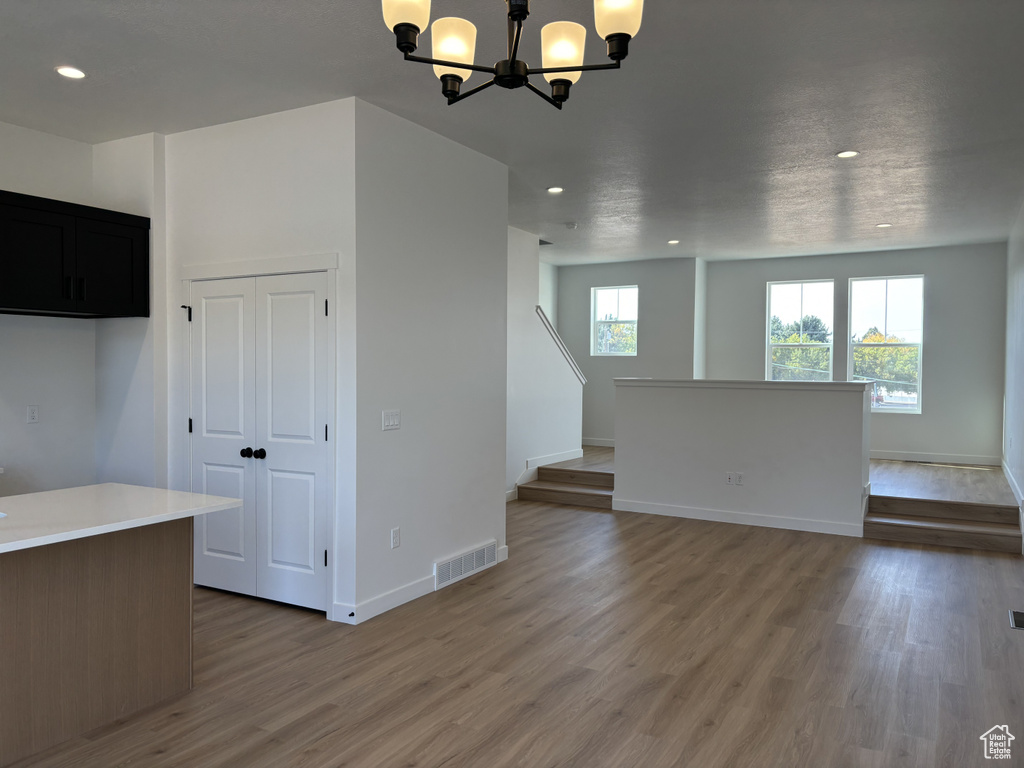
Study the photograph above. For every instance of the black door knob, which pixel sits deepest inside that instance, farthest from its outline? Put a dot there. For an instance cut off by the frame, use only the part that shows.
(245, 453)
(259, 453)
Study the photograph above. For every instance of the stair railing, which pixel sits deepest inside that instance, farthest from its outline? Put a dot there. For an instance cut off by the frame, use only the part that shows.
(561, 345)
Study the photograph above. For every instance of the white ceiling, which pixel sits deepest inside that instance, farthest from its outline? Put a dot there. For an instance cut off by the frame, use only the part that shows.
(719, 131)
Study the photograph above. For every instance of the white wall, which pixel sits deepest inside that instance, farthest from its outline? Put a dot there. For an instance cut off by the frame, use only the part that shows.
(665, 331)
(279, 185)
(431, 249)
(420, 317)
(800, 446)
(35, 163)
(963, 354)
(1013, 418)
(548, 291)
(545, 398)
(131, 353)
(700, 318)
(47, 362)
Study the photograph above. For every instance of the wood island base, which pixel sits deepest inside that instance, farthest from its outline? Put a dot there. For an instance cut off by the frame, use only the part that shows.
(91, 631)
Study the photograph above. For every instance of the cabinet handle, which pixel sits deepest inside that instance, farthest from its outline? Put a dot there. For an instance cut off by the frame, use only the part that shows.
(259, 453)
(81, 289)
(246, 453)
(69, 288)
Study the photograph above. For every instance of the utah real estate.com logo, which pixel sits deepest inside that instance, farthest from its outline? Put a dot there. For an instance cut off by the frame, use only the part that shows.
(997, 742)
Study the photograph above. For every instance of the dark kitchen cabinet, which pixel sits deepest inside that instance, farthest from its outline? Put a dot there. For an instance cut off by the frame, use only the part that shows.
(71, 260)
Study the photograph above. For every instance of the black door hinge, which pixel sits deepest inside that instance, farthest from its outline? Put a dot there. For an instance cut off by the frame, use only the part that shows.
(325, 558)
(326, 313)
(325, 433)
(190, 426)
(186, 306)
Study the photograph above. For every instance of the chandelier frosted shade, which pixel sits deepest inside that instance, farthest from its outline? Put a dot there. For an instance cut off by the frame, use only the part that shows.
(415, 12)
(618, 17)
(562, 44)
(454, 40)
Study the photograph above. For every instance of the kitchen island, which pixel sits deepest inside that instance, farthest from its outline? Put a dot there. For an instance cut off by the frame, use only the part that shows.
(95, 608)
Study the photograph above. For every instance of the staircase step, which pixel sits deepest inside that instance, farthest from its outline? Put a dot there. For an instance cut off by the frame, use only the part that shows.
(566, 493)
(576, 476)
(894, 506)
(996, 537)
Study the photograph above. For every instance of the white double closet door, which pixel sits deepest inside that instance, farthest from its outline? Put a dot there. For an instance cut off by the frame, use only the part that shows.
(259, 409)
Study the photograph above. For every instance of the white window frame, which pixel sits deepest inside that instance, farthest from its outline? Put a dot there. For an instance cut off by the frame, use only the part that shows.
(920, 345)
(594, 321)
(810, 345)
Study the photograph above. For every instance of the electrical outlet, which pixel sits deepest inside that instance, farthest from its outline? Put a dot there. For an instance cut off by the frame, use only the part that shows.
(32, 414)
(739, 478)
(390, 420)
(396, 538)
(729, 479)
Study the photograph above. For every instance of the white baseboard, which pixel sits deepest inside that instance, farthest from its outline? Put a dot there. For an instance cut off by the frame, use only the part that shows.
(511, 495)
(865, 500)
(554, 458)
(742, 518)
(939, 458)
(598, 442)
(1014, 485)
(366, 610)
(375, 606)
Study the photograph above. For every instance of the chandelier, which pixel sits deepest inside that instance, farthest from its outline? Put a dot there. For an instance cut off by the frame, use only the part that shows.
(562, 43)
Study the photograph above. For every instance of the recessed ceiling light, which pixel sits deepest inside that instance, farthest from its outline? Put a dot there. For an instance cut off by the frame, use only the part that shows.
(70, 72)
(673, 242)
(883, 226)
(846, 153)
(555, 190)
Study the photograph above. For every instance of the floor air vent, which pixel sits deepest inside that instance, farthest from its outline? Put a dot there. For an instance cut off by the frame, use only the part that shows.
(1017, 619)
(449, 571)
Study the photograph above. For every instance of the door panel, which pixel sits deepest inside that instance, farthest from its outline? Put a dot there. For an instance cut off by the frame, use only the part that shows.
(224, 415)
(224, 533)
(291, 519)
(291, 396)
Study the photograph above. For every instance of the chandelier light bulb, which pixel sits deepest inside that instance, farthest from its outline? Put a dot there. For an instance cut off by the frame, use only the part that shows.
(454, 39)
(415, 12)
(562, 44)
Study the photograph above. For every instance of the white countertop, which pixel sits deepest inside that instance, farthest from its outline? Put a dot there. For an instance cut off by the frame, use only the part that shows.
(37, 519)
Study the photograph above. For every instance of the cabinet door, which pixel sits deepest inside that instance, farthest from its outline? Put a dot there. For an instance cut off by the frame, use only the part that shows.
(37, 260)
(112, 269)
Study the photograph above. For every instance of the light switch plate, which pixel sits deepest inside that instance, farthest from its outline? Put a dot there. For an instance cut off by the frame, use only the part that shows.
(390, 420)
(32, 414)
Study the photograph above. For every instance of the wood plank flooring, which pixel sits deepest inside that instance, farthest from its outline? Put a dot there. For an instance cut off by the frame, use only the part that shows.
(978, 485)
(594, 458)
(613, 639)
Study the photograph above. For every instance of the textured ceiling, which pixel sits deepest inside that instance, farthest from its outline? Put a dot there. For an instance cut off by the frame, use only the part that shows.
(719, 131)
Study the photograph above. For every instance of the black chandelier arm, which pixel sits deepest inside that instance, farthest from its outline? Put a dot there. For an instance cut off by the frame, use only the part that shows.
(585, 68)
(543, 95)
(469, 93)
(454, 64)
(514, 38)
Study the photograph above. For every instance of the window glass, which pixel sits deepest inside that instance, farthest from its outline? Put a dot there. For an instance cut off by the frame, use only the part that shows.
(614, 313)
(800, 319)
(886, 335)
